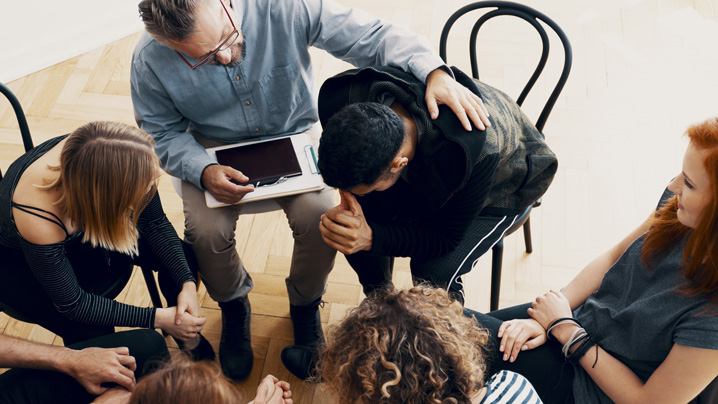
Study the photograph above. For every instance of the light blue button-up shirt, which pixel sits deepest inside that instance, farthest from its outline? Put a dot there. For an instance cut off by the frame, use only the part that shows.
(271, 93)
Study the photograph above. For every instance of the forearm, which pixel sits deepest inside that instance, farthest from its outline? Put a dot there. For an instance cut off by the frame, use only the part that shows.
(588, 280)
(19, 353)
(613, 377)
(682, 375)
(115, 395)
(161, 237)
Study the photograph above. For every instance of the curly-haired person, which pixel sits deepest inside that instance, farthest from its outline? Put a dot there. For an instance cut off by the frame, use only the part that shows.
(414, 347)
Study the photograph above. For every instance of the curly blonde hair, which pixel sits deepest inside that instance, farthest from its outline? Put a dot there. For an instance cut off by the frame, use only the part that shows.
(405, 346)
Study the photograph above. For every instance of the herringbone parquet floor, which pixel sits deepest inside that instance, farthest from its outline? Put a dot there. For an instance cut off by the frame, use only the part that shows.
(643, 70)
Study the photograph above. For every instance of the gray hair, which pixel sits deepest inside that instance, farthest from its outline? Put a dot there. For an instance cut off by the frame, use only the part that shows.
(169, 20)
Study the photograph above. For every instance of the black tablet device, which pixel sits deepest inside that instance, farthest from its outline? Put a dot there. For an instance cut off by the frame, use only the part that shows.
(264, 162)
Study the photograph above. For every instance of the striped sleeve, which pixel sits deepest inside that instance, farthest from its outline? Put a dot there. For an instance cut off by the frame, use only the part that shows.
(164, 242)
(508, 387)
(52, 269)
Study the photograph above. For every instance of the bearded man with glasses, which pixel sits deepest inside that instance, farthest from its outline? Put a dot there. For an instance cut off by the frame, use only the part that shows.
(195, 85)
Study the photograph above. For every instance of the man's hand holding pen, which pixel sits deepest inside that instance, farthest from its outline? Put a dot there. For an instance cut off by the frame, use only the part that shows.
(344, 227)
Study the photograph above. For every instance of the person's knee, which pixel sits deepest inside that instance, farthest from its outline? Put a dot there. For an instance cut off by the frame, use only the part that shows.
(209, 229)
(149, 349)
(306, 210)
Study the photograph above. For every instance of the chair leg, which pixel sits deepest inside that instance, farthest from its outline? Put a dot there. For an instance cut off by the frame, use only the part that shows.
(151, 283)
(497, 253)
(527, 236)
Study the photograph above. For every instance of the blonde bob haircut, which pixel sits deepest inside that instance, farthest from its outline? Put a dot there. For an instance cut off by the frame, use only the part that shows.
(105, 169)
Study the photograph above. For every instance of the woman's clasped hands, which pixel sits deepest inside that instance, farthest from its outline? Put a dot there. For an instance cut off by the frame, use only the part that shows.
(524, 334)
(183, 321)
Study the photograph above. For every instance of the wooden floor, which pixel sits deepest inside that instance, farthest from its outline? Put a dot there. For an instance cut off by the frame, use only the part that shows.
(643, 70)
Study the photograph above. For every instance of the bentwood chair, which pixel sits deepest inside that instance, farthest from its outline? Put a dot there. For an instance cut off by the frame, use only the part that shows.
(27, 142)
(116, 288)
(540, 22)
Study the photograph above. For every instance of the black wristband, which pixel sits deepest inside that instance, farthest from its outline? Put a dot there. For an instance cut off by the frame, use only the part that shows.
(581, 351)
(558, 320)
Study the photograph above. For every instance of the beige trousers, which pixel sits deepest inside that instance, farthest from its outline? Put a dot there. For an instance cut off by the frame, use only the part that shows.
(211, 233)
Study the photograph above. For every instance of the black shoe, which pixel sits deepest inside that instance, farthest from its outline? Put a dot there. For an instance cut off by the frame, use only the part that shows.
(202, 352)
(301, 358)
(235, 347)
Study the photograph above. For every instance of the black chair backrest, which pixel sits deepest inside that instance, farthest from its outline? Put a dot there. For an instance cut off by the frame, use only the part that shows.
(20, 115)
(533, 17)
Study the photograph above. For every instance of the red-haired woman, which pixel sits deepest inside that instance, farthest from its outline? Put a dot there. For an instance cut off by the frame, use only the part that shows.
(639, 323)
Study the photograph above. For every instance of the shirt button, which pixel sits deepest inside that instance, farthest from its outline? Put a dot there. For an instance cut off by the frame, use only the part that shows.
(238, 77)
(256, 129)
(248, 102)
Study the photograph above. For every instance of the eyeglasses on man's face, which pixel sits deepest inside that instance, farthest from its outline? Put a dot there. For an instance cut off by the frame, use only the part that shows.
(212, 56)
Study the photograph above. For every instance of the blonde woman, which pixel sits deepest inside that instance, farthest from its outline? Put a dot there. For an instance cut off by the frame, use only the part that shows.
(75, 213)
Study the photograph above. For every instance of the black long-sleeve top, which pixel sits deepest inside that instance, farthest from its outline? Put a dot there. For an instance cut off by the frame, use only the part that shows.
(51, 267)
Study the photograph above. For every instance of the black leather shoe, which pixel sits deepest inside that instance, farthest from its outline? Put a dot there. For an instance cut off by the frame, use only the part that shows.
(235, 347)
(202, 352)
(301, 358)
(301, 361)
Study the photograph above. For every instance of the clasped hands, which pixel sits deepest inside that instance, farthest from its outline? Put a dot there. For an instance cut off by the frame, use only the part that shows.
(272, 391)
(344, 227)
(524, 334)
(183, 322)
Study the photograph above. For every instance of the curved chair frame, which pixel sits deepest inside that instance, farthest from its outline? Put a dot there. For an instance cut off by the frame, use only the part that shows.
(20, 115)
(537, 20)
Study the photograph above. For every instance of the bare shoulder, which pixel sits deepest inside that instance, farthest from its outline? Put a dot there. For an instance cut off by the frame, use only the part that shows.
(38, 230)
(34, 218)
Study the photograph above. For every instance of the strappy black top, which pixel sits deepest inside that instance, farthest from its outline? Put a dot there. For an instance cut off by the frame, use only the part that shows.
(50, 266)
(32, 210)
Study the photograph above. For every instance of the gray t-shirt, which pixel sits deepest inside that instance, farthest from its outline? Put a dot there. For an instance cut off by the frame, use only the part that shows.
(638, 314)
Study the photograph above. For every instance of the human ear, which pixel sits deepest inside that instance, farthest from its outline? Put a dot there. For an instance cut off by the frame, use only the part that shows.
(398, 163)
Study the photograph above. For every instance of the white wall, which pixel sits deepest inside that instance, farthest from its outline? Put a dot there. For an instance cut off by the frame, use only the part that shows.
(35, 34)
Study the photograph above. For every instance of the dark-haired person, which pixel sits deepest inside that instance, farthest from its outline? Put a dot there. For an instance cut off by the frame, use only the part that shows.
(421, 188)
(639, 324)
(212, 72)
(76, 212)
(414, 347)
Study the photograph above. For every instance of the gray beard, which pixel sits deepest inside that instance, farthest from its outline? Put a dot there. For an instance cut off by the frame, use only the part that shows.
(242, 53)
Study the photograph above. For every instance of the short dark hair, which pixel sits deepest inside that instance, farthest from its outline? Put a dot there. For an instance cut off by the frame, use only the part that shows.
(358, 145)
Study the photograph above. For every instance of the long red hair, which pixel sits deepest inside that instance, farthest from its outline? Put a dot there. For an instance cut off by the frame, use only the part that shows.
(699, 255)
